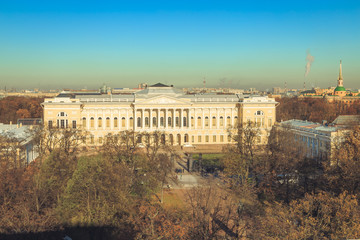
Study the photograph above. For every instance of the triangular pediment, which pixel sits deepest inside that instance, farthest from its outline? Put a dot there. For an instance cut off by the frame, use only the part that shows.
(163, 100)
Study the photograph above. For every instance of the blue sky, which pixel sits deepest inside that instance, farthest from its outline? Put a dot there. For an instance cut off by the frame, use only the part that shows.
(262, 44)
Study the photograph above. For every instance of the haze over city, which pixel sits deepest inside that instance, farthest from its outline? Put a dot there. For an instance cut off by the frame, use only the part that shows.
(261, 44)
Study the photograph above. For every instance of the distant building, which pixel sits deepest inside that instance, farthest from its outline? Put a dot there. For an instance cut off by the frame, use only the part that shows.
(186, 119)
(332, 94)
(19, 134)
(317, 140)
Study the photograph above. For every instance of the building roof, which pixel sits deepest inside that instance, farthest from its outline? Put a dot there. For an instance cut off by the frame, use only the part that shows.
(21, 133)
(347, 120)
(338, 89)
(159, 85)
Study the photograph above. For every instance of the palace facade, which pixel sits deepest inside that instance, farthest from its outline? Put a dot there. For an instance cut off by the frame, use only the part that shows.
(186, 119)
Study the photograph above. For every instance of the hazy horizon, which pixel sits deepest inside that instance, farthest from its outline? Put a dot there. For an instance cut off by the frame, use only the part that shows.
(260, 44)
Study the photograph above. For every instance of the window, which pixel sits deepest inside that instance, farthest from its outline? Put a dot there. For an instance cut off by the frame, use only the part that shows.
(169, 121)
(214, 138)
(100, 140)
(162, 121)
(131, 122)
(184, 122)
(229, 138)
(50, 124)
(154, 122)
(139, 122)
(122, 122)
(192, 122)
(199, 139)
(99, 122)
(115, 122)
(84, 122)
(221, 138)
(74, 124)
(214, 121)
(236, 120)
(270, 122)
(146, 122)
(62, 123)
(259, 113)
(107, 122)
(221, 121)
(206, 121)
(207, 138)
(92, 122)
(192, 139)
(177, 124)
(92, 139)
(199, 122)
(228, 121)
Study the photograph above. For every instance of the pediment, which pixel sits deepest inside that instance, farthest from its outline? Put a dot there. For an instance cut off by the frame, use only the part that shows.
(163, 100)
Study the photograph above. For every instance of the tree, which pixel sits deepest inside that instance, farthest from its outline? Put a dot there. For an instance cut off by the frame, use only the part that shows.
(320, 216)
(342, 171)
(239, 158)
(98, 193)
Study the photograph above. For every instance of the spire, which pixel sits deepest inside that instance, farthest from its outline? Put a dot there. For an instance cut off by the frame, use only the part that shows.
(340, 72)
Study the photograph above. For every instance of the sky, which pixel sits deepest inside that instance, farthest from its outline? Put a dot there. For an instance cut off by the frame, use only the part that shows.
(240, 44)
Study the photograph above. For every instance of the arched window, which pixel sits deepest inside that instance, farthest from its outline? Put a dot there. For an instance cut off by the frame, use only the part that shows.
(214, 121)
(228, 121)
(236, 120)
(192, 121)
(99, 122)
(122, 122)
(221, 121)
(139, 122)
(259, 113)
(199, 122)
(107, 122)
(100, 140)
(162, 121)
(184, 122)
(62, 114)
(131, 122)
(154, 122)
(84, 122)
(169, 121)
(206, 121)
(92, 122)
(91, 139)
(146, 122)
(177, 124)
(115, 122)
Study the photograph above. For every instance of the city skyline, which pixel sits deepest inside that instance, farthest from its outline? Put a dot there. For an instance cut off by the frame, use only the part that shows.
(260, 44)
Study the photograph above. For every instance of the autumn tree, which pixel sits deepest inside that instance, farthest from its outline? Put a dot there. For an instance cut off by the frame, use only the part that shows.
(98, 193)
(343, 168)
(239, 158)
(320, 216)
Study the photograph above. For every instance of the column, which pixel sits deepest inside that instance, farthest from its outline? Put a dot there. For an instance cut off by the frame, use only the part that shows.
(217, 118)
(173, 117)
(158, 117)
(150, 119)
(134, 120)
(189, 120)
(203, 119)
(181, 118)
(195, 118)
(166, 116)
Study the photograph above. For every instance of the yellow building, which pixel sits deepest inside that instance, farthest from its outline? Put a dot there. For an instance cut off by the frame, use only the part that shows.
(186, 119)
